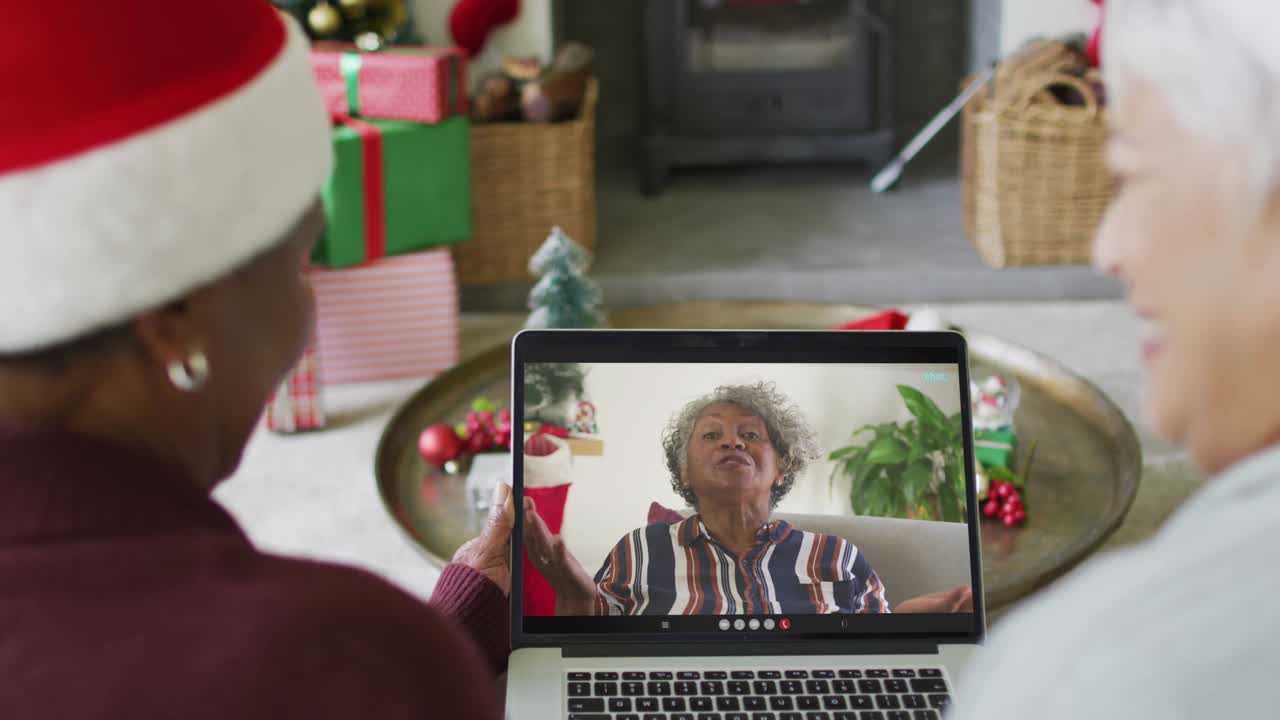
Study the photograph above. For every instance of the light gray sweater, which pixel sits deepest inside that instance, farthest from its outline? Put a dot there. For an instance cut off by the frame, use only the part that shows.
(1186, 625)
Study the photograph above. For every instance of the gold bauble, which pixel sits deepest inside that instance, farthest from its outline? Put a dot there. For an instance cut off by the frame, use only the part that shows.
(354, 9)
(324, 19)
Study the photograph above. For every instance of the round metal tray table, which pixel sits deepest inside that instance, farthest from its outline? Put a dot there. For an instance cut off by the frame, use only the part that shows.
(1087, 467)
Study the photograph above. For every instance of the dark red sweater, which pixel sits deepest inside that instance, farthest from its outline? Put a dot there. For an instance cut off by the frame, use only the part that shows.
(126, 592)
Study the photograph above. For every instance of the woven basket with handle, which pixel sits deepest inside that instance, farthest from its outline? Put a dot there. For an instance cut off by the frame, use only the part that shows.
(525, 179)
(1034, 181)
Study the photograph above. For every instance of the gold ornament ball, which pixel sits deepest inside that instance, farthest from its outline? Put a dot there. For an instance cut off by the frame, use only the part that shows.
(354, 9)
(324, 19)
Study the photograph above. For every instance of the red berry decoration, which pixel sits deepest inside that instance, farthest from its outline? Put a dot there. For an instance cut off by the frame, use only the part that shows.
(1004, 503)
(485, 429)
(438, 444)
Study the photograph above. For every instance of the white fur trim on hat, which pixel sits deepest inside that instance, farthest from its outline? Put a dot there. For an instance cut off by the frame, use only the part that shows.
(96, 238)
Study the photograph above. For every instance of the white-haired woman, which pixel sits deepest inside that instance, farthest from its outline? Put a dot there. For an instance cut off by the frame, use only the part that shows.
(1188, 623)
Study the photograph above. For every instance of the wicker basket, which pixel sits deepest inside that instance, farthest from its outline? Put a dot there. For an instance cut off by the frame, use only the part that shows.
(1034, 182)
(525, 179)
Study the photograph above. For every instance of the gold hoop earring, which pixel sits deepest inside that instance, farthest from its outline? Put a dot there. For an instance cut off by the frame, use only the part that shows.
(191, 374)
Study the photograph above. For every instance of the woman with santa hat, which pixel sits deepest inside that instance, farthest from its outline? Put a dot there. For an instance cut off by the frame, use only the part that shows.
(159, 186)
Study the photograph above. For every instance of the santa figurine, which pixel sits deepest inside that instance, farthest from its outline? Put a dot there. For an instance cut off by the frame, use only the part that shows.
(584, 418)
(994, 400)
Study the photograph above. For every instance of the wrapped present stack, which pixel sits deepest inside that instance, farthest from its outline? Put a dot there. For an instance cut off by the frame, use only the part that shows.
(295, 406)
(399, 196)
(401, 181)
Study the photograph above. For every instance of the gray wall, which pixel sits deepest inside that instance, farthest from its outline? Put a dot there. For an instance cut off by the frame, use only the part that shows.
(932, 40)
(984, 32)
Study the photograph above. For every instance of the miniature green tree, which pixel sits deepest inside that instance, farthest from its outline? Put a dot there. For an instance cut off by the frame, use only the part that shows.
(563, 296)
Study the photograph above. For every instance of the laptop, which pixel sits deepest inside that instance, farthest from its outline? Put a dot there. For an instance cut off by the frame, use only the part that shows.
(742, 525)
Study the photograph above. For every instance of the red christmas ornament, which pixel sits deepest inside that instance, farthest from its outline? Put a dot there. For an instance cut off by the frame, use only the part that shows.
(439, 444)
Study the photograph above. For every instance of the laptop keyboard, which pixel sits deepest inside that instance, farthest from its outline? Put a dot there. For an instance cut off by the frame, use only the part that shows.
(862, 694)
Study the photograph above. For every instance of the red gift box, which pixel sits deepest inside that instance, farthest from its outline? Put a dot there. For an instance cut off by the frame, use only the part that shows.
(295, 405)
(419, 84)
(392, 318)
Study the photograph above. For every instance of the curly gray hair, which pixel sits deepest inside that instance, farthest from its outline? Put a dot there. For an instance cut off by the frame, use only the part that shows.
(793, 439)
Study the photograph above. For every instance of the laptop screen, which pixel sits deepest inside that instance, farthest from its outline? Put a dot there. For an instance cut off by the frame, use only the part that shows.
(696, 485)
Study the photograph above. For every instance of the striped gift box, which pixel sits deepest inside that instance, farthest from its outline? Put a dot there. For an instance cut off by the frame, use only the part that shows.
(295, 406)
(392, 318)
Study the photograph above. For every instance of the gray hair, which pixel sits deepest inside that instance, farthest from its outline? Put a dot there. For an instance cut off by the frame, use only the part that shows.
(1217, 64)
(793, 439)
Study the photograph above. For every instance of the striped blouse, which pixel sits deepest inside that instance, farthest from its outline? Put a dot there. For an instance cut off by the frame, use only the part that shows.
(679, 569)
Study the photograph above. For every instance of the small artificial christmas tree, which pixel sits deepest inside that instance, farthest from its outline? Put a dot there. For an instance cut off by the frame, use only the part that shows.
(370, 24)
(563, 297)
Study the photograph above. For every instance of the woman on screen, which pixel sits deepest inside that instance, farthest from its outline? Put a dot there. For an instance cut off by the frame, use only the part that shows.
(733, 454)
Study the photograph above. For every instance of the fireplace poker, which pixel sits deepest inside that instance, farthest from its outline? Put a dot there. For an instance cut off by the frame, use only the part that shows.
(889, 176)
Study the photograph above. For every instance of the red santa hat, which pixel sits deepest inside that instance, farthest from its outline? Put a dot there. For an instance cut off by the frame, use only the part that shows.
(141, 156)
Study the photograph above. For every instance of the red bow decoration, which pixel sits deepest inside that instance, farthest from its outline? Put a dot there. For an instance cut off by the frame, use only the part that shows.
(375, 212)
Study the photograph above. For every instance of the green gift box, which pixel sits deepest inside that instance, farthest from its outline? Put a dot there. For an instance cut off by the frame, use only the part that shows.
(994, 448)
(397, 187)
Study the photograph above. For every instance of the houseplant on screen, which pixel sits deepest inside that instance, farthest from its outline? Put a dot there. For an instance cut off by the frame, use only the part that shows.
(913, 469)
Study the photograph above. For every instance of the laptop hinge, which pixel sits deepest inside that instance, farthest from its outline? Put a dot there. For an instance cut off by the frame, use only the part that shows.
(806, 647)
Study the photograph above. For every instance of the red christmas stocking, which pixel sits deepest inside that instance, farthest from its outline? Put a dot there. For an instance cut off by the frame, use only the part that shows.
(547, 475)
(472, 21)
(539, 598)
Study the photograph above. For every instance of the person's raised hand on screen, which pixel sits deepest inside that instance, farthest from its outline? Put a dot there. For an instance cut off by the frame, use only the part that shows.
(955, 600)
(574, 588)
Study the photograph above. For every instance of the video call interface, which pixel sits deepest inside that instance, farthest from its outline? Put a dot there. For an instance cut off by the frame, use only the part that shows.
(765, 498)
